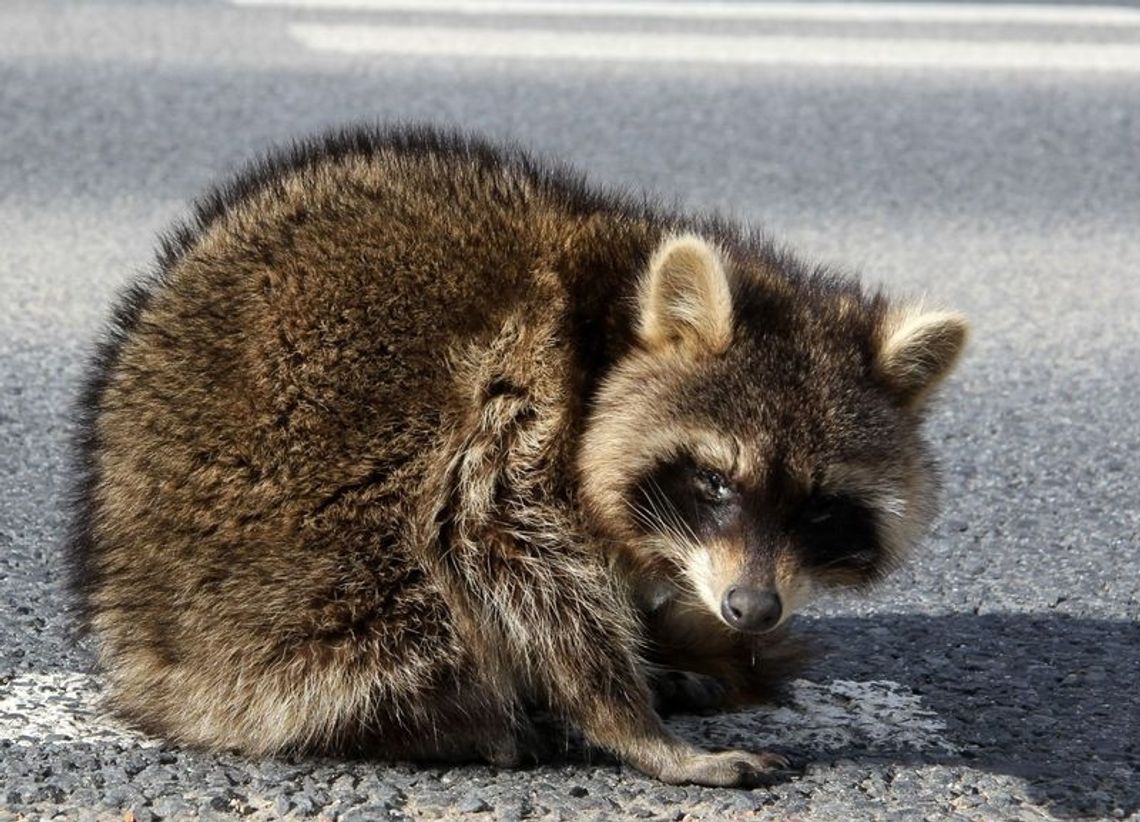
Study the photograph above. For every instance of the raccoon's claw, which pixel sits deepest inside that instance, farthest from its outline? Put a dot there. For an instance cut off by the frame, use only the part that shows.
(726, 769)
(790, 762)
(687, 692)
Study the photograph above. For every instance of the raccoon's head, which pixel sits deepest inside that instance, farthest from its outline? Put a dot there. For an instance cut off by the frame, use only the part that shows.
(761, 440)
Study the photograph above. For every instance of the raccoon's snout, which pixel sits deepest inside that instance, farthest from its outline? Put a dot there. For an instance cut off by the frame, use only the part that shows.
(751, 610)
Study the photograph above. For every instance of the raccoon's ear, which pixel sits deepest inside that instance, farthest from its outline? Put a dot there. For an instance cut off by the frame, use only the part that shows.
(917, 349)
(684, 297)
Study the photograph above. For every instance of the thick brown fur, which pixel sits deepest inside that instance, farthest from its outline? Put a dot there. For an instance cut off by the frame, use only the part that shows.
(361, 460)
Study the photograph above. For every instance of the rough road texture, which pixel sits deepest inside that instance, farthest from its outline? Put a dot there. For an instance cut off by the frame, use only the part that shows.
(995, 677)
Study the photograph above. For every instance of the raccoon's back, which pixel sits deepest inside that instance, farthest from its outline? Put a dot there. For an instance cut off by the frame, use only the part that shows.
(266, 401)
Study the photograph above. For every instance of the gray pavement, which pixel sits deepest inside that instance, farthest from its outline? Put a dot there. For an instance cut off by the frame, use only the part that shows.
(995, 677)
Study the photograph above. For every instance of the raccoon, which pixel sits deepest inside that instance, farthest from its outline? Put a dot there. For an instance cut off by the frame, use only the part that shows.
(409, 434)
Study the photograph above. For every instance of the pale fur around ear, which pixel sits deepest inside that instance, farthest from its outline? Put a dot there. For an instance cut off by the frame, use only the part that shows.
(684, 297)
(918, 349)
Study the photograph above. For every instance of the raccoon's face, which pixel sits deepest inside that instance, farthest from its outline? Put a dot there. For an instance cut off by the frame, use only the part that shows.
(762, 441)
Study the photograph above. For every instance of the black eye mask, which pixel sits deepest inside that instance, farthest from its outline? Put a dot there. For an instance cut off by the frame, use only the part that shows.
(680, 494)
(837, 531)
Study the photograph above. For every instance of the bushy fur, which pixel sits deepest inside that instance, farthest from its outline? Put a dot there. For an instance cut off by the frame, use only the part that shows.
(360, 462)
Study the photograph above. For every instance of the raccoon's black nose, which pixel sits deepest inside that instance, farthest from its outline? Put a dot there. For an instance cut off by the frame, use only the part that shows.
(748, 609)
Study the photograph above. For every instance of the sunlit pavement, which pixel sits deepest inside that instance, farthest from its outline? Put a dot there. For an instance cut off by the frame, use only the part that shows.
(987, 156)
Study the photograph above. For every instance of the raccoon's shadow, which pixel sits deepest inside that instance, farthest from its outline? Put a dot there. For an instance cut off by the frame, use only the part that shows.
(1048, 698)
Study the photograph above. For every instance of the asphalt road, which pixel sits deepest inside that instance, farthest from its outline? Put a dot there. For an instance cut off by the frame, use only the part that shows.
(987, 156)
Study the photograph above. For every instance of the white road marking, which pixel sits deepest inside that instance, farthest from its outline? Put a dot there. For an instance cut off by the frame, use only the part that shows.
(878, 714)
(63, 709)
(874, 716)
(871, 12)
(537, 44)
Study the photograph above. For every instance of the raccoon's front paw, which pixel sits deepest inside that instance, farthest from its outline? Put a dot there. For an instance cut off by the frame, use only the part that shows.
(726, 769)
(686, 692)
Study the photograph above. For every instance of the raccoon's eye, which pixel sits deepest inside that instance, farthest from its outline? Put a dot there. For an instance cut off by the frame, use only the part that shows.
(713, 485)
